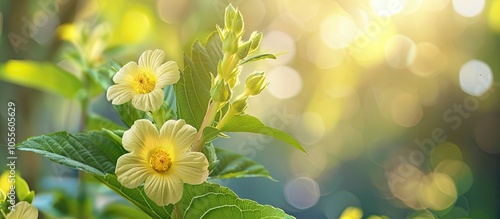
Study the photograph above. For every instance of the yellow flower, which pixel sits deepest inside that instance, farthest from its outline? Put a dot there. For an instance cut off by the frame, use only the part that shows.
(142, 83)
(23, 210)
(162, 160)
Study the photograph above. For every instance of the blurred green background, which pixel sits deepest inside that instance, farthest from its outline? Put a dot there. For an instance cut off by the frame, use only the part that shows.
(395, 101)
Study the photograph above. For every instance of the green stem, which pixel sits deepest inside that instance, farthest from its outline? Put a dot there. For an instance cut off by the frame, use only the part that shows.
(81, 195)
(229, 114)
(158, 117)
(209, 118)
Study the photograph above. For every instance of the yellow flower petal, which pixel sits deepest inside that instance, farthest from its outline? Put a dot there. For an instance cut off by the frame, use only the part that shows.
(23, 210)
(151, 60)
(167, 74)
(141, 135)
(191, 167)
(164, 189)
(4, 182)
(178, 134)
(126, 74)
(132, 170)
(120, 94)
(150, 101)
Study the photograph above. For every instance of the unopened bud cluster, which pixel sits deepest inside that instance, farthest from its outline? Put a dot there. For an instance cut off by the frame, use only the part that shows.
(234, 48)
(236, 51)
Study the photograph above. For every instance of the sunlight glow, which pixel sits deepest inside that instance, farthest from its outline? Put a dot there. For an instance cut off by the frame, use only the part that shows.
(468, 8)
(338, 31)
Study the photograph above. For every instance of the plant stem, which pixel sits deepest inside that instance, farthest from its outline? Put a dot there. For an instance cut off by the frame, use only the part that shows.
(224, 119)
(209, 118)
(82, 193)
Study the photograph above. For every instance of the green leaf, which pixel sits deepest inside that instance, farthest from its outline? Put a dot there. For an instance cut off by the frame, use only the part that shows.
(94, 152)
(128, 113)
(29, 197)
(247, 123)
(233, 165)
(206, 200)
(209, 152)
(96, 122)
(210, 133)
(258, 57)
(43, 76)
(192, 97)
(193, 89)
(138, 197)
(206, 57)
(103, 76)
(120, 211)
(209, 200)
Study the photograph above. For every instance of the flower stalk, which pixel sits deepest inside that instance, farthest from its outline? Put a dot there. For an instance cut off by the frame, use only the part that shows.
(209, 118)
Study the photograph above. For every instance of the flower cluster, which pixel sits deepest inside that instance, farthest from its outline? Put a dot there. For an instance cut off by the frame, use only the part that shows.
(161, 160)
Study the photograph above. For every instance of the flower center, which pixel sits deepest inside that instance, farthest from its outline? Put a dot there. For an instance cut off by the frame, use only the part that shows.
(160, 161)
(144, 83)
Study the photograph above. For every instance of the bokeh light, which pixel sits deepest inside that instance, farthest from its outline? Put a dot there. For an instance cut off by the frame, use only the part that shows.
(428, 60)
(284, 82)
(400, 51)
(459, 172)
(435, 5)
(281, 44)
(406, 110)
(387, 7)
(476, 77)
(445, 151)
(468, 8)
(338, 31)
(302, 192)
(437, 191)
(173, 11)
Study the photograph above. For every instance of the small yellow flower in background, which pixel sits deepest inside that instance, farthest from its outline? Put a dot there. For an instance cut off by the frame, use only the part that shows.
(142, 83)
(351, 213)
(162, 160)
(23, 210)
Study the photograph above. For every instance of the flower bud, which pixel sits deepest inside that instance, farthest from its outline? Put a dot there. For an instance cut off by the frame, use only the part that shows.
(237, 23)
(230, 44)
(255, 83)
(229, 16)
(244, 49)
(239, 106)
(255, 38)
(221, 92)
